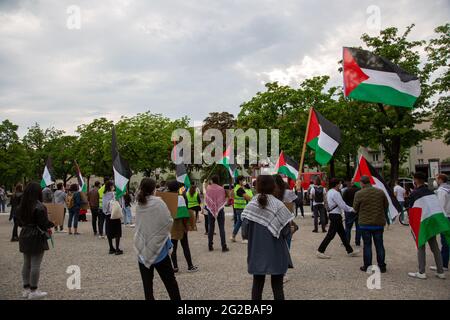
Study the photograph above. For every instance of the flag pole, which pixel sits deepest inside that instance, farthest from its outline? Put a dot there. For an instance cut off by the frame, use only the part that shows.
(302, 157)
(210, 171)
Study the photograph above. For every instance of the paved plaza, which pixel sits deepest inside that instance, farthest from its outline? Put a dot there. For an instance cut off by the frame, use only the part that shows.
(220, 275)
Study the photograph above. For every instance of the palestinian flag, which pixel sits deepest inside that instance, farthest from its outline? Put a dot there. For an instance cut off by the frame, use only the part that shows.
(287, 166)
(365, 169)
(371, 78)
(180, 168)
(46, 175)
(323, 136)
(81, 183)
(427, 218)
(122, 171)
(225, 161)
(182, 210)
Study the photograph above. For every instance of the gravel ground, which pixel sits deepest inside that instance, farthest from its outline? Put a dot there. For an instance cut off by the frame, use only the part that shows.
(220, 275)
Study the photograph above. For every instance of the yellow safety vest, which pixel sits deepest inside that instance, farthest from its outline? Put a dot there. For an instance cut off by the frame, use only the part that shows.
(239, 202)
(192, 200)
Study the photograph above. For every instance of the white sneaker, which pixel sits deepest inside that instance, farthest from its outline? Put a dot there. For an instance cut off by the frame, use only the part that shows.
(321, 255)
(417, 275)
(434, 268)
(244, 241)
(37, 294)
(355, 253)
(132, 225)
(285, 278)
(233, 239)
(26, 293)
(440, 275)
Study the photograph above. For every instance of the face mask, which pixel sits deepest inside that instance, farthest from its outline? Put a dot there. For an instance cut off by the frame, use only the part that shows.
(435, 184)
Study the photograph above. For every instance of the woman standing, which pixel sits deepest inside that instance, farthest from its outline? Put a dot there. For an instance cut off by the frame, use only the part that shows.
(193, 198)
(32, 217)
(15, 202)
(266, 226)
(127, 216)
(74, 205)
(179, 231)
(113, 226)
(152, 241)
(216, 199)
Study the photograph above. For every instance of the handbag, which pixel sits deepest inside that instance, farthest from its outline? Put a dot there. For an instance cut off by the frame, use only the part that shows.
(116, 210)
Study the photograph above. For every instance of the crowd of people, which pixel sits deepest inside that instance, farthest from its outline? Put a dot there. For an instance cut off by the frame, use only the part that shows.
(263, 217)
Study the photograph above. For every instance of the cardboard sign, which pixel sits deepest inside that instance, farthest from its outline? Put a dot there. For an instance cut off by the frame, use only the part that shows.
(55, 213)
(171, 200)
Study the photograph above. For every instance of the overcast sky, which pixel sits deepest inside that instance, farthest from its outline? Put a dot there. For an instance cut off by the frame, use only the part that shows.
(176, 57)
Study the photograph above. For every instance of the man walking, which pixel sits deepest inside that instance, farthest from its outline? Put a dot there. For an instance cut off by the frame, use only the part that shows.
(60, 198)
(93, 198)
(351, 217)
(399, 193)
(371, 204)
(2, 199)
(318, 194)
(336, 205)
(443, 194)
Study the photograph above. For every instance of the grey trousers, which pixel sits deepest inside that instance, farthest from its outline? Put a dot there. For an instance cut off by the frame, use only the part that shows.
(31, 270)
(421, 254)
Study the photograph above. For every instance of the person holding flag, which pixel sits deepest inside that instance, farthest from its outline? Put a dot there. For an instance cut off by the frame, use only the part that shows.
(427, 220)
(443, 194)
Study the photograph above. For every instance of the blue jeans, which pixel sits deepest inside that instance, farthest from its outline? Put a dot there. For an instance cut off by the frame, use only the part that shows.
(127, 217)
(237, 221)
(377, 236)
(445, 250)
(350, 219)
(3, 205)
(74, 213)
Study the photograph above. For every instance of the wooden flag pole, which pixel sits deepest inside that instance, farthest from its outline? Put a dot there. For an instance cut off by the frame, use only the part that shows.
(302, 157)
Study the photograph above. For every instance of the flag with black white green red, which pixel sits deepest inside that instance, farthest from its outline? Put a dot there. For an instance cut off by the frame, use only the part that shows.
(47, 174)
(285, 165)
(226, 162)
(366, 169)
(180, 167)
(81, 183)
(323, 137)
(371, 78)
(182, 210)
(426, 217)
(122, 171)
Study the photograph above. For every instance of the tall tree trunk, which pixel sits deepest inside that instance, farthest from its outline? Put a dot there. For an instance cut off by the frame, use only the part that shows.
(348, 168)
(395, 160)
(332, 171)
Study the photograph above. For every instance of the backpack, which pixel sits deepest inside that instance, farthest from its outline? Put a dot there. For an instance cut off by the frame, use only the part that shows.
(318, 194)
(116, 209)
(70, 201)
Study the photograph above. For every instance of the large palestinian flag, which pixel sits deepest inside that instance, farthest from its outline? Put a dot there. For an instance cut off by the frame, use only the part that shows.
(225, 161)
(180, 168)
(81, 183)
(426, 217)
(46, 175)
(365, 169)
(287, 166)
(323, 136)
(372, 78)
(122, 171)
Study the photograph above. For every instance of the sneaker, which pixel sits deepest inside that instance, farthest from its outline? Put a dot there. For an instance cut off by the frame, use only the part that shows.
(285, 279)
(225, 249)
(111, 251)
(440, 275)
(324, 231)
(26, 293)
(315, 231)
(118, 252)
(175, 270)
(244, 241)
(434, 268)
(14, 239)
(132, 225)
(192, 269)
(100, 237)
(321, 255)
(353, 254)
(210, 248)
(417, 275)
(363, 268)
(37, 294)
(233, 239)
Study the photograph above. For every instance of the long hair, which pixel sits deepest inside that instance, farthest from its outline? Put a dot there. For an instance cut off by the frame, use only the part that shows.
(192, 189)
(32, 195)
(265, 185)
(280, 187)
(146, 189)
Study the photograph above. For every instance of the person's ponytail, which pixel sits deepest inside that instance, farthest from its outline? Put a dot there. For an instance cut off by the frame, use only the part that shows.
(146, 189)
(262, 200)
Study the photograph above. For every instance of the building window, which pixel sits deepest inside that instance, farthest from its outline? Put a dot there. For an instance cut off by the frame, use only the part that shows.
(419, 149)
(375, 157)
(420, 161)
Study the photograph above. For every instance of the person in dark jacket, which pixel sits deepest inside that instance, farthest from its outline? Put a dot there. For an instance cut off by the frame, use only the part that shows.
(266, 226)
(74, 208)
(351, 217)
(32, 217)
(15, 202)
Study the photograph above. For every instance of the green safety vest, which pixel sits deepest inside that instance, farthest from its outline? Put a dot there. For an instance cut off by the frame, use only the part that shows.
(101, 191)
(249, 192)
(239, 202)
(192, 200)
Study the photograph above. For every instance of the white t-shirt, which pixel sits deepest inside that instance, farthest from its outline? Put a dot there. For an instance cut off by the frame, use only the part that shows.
(400, 192)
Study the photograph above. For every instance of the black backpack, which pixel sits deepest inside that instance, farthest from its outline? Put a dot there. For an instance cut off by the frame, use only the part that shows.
(318, 194)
